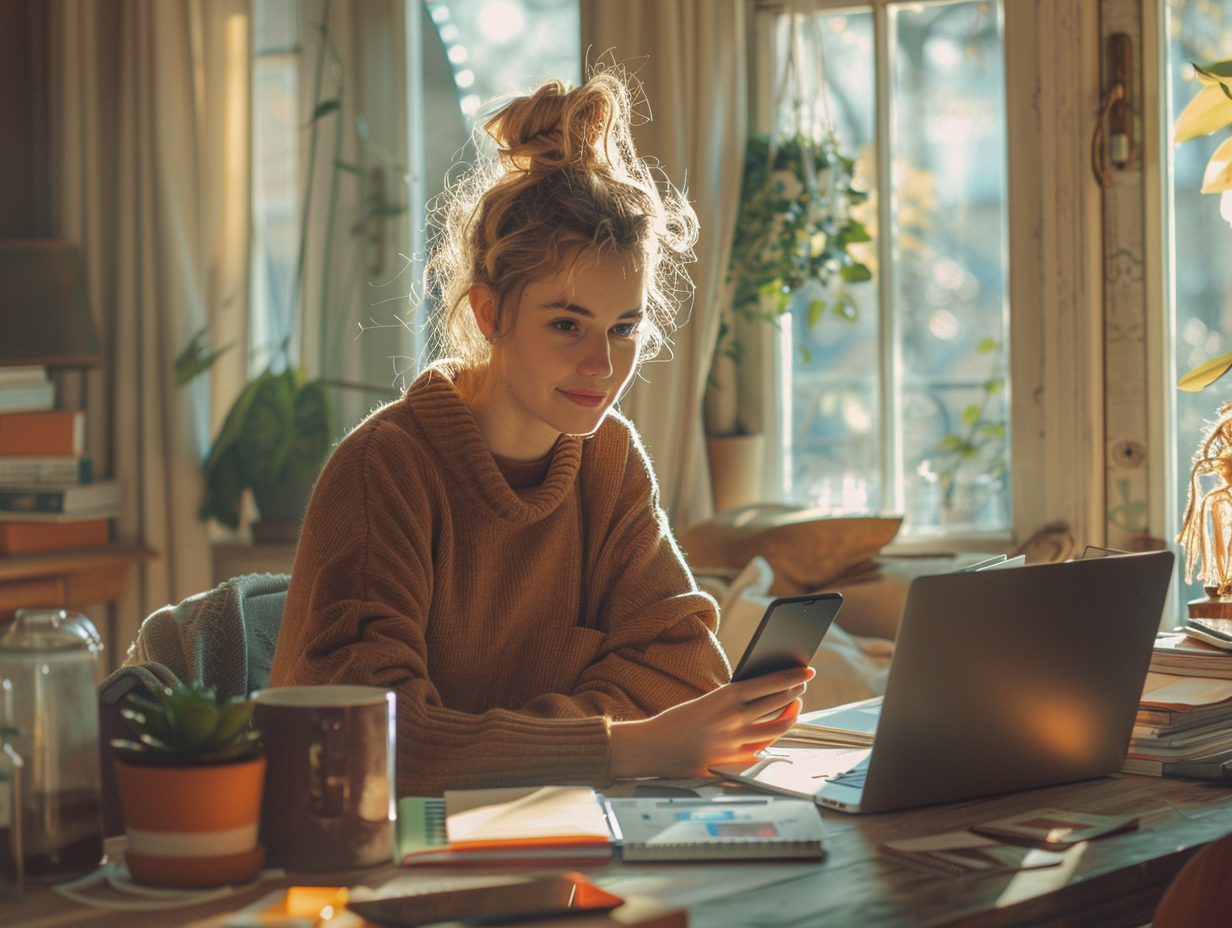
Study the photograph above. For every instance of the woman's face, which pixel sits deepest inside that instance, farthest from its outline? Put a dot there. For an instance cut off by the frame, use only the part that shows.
(567, 355)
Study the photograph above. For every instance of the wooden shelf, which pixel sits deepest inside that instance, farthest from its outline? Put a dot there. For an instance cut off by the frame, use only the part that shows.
(67, 579)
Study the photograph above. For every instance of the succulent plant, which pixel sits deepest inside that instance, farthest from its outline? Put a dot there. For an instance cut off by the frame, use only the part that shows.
(187, 725)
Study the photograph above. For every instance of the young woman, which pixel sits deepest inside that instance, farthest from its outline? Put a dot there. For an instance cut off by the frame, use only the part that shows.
(491, 546)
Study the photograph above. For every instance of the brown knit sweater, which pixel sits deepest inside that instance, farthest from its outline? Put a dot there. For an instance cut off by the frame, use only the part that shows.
(513, 625)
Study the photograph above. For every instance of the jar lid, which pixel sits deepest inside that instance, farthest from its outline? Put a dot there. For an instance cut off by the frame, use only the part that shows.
(51, 630)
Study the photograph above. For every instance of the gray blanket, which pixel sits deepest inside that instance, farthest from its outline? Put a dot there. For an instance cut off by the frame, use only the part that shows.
(224, 638)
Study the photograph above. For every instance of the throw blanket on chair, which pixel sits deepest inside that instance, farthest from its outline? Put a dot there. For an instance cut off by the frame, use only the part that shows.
(224, 638)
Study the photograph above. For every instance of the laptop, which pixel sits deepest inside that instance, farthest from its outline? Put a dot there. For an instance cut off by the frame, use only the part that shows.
(1002, 680)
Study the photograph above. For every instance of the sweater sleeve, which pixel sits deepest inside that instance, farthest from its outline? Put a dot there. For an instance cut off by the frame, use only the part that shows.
(660, 647)
(356, 613)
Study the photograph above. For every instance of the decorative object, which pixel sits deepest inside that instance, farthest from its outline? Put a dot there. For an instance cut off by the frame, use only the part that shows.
(44, 306)
(190, 788)
(1206, 532)
(48, 674)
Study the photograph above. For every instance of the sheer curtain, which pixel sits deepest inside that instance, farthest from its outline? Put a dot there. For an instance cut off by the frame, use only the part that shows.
(149, 124)
(691, 56)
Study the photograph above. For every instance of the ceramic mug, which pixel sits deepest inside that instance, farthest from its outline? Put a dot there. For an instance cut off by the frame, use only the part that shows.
(329, 786)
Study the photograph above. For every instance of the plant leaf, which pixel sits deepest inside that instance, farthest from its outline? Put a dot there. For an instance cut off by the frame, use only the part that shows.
(195, 359)
(816, 309)
(1209, 78)
(324, 108)
(971, 415)
(855, 273)
(1206, 374)
(987, 344)
(1218, 174)
(1208, 111)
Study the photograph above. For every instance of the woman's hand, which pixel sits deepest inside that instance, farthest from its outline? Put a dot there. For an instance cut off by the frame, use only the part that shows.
(726, 726)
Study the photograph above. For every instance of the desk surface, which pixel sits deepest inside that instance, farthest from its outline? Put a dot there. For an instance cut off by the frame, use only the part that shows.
(1112, 882)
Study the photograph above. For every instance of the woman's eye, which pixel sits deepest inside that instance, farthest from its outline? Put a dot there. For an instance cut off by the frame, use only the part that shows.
(625, 329)
(564, 325)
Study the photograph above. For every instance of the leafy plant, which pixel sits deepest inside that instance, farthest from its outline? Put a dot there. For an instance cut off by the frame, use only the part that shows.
(793, 228)
(275, 436)
(187, 726)
(279, 430)
(981, 435)
(1208, 112)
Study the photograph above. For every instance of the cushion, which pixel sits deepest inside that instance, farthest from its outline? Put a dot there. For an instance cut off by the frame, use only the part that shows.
(805, 548)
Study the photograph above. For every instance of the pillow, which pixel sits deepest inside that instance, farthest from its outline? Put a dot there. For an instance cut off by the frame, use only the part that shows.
(805, 548)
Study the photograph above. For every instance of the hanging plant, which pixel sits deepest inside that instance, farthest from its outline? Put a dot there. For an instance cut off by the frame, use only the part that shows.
(794, 227)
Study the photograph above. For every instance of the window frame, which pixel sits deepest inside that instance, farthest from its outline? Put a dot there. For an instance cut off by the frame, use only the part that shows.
(1055, 361)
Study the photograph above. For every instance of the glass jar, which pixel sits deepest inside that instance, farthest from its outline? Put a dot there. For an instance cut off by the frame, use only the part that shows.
(50, 658)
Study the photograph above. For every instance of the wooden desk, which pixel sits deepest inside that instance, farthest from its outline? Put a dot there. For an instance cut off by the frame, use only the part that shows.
(67, 579)
(1113, 882)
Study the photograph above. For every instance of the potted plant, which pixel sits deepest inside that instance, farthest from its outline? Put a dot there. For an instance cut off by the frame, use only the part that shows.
(190, 788)
(794, 228)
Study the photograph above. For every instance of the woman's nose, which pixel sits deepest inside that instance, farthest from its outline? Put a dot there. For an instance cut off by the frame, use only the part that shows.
(596, 358)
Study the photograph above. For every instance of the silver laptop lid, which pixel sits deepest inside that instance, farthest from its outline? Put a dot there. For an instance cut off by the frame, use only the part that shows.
(1012, 679)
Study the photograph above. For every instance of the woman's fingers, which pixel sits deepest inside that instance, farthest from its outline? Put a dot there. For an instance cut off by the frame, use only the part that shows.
(756, 688)
(768, 705)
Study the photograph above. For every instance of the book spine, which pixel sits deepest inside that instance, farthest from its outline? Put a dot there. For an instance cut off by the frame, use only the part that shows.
(924, 860)
(34, 537)
(724, 850)
(52, 432)
(53, 469)
(27, 501)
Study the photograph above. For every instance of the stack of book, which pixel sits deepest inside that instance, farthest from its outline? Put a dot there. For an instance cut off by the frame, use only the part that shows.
(1181, 719)
(49, 500)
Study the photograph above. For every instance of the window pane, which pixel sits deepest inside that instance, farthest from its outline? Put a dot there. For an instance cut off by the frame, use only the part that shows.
(836, 441)
(948, 147)
(275, 193)
(1202, 279)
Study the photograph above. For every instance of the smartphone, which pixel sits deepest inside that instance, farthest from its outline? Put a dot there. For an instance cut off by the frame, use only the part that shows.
(789, 634)
(1213, 631)
(542, 897)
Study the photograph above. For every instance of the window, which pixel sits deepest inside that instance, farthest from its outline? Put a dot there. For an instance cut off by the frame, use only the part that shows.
(904, 408)
(382, 153)
(1201, 314)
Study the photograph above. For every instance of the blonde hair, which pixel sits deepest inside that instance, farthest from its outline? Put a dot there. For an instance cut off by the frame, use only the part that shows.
(565, 181)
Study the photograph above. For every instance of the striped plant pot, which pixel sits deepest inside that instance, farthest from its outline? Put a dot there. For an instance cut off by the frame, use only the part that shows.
(192, 826)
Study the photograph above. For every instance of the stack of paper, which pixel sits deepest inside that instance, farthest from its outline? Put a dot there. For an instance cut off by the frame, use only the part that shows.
(1180, 718)
(851, 725)
(1178, 653)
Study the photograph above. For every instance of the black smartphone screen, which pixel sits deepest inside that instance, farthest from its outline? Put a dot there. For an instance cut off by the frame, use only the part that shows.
(537, 898)
(789, 634)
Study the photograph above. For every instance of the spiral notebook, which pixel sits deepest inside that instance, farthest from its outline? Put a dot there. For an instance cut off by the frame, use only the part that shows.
(638, 829)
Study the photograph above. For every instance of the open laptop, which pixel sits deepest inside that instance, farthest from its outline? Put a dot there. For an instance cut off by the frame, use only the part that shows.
(1001, 680)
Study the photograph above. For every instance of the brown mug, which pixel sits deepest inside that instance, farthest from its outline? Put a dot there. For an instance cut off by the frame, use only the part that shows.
(329, 784)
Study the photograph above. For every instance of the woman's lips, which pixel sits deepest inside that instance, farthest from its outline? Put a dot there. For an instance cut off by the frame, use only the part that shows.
(587, 398)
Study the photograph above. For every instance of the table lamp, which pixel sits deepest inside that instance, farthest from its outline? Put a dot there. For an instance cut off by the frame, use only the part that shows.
(44, 309)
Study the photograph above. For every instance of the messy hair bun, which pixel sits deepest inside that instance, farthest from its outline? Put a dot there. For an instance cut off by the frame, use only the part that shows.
(565, 179)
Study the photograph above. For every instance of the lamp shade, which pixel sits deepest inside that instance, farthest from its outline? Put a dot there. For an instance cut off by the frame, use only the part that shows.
(44, 312)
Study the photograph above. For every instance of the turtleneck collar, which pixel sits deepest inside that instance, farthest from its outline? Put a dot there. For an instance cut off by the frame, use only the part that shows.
(451, 432)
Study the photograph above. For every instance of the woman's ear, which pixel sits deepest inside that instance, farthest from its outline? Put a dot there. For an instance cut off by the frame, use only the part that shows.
(483, 305)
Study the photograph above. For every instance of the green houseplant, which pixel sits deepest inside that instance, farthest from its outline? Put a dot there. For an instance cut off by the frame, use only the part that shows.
(793, 229)
(190, 787)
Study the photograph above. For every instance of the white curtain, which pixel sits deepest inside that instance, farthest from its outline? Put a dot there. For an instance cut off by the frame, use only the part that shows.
(691, 56)
(149, 116)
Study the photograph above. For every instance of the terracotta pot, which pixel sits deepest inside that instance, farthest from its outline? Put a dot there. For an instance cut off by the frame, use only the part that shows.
(192, 826)
(735, 469)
